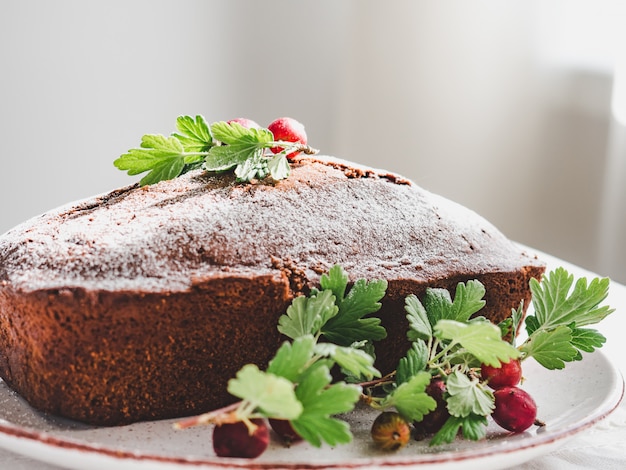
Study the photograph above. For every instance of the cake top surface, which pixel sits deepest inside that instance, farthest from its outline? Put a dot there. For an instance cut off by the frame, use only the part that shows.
(174, 234)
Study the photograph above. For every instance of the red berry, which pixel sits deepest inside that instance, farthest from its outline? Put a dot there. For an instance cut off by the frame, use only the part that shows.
(289, 130)
(390, 431)
(245, 122)
(515, 410)
(237, 440)
(508, 374)
(285, 430)
(433, 421)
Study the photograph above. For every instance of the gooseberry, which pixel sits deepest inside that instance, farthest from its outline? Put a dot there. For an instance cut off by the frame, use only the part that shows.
(515, 410)
(432, 422)
(508, 374)
(390, 431)
(245, 122)
(240, 439)
(288, 130)
(285, 430)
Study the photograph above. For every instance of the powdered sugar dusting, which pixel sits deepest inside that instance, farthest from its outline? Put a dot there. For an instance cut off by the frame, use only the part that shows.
(165, 236)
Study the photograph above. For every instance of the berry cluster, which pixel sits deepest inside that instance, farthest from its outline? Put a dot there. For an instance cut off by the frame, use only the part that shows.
(514, 409)
(284, 129)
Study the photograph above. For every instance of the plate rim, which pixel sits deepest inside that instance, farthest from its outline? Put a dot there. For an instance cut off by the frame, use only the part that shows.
(539, 441)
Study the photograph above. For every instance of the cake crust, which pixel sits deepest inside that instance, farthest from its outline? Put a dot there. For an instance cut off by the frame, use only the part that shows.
(141, 303)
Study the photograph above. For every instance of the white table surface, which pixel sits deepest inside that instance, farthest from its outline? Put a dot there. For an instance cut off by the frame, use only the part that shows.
(601, 447)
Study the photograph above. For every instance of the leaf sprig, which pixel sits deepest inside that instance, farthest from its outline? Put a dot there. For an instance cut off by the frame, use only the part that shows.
(221, 146)
(297, 383)
(555, 332)
(334, 326)
(450, 341)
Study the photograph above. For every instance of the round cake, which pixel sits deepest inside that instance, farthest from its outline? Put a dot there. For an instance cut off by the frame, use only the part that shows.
(142, 303)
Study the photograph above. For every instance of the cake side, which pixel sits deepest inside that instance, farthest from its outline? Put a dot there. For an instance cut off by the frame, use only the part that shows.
(117, 357)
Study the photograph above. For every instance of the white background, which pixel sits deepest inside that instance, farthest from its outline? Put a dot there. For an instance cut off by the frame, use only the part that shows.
(503, 106)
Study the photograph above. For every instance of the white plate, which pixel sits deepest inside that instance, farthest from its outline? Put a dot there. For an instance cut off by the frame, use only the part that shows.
(569, 401)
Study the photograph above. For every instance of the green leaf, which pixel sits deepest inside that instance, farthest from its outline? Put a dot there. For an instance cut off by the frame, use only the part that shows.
(464, 360)
(356, 361)
(278, 167)
(474, 428)
(320, 402)
(242, 144)
(551, 348)
(291, 359)
(480, 338)
(517, 318)
(166, 169)
(255, 167)
(162, 156)
(272, 395)
(555, 333)
(137, 161)
(555, 306)
(413, 363)
(419, 325)
(438, 305)
(411, 399)
(363, 298)
(468, 299)
(532, 324)
(448, 431)
(587, 339)
(345, 333)
(368, 348)
(193, 134)
(336, 280)
(506, 327)
(306, 315)
(227, 157)
(234, 134)
(510, 326)
(160, 145)
(349, 325)
(468, 396)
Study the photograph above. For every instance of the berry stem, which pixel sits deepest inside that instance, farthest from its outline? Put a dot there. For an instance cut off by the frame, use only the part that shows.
(290, 147)
(250, 425)
(375, 402)
(211, 417)
(444, 351)
(387, 379)
(245, 410)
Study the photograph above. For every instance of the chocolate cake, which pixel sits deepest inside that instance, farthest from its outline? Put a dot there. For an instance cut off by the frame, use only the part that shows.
(140, 304)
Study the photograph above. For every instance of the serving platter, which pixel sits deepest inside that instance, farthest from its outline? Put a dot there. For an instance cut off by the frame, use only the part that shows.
(569, 402)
